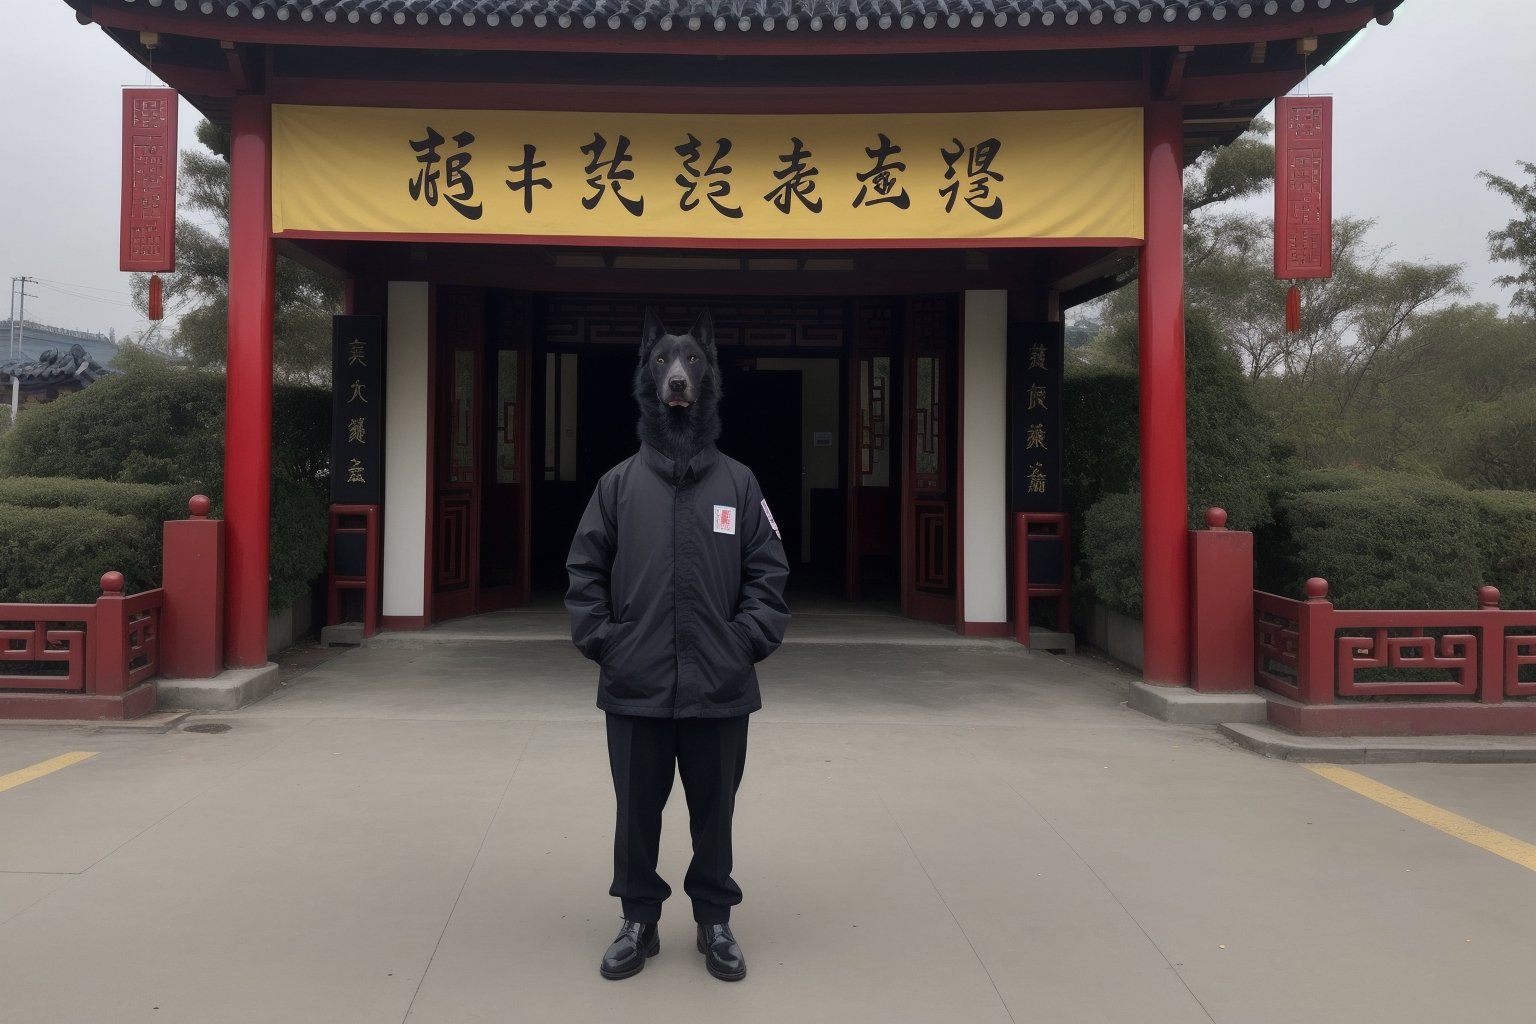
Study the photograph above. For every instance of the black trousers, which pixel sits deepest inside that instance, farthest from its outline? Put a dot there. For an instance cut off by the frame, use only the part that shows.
(710, 755)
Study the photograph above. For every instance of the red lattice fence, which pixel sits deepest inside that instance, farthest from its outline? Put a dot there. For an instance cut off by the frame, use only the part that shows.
(83, 661)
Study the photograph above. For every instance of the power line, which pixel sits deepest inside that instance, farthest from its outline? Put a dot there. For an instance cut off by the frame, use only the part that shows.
(81, 287)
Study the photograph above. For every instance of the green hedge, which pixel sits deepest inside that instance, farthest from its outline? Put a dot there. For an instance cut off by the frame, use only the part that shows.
(1111, 541)
(1230, 459)
(150, 502)
(58, 555)
(164, 425)
(1508, 545)
(1381, 540)
(156, 425)
(1391, 540)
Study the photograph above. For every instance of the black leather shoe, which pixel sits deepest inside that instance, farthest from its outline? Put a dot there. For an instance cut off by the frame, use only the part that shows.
(722, 956)
(626, 956)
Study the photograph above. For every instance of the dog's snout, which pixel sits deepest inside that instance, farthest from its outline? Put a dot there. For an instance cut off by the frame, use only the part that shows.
(678, 384)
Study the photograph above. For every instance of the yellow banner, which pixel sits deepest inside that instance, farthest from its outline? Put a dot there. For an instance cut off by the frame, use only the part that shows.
(659, 178)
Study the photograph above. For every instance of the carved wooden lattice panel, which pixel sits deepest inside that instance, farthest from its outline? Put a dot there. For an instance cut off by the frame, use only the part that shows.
(143, 644)
(760, 323)
(1453, 653)
(452, 561)
(933, 562)
(1519, 652)
(928, 330)
(37, 656)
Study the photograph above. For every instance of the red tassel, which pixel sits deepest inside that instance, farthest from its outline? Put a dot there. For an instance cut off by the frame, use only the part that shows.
(156, 306)
(1292, 309)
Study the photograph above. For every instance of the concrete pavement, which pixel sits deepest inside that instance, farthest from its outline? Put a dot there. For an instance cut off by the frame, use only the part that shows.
(931, 829)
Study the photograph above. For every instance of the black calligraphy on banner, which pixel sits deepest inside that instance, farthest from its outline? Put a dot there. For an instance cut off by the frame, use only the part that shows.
(615, 173)
(970, 172)
(527, 183)
(796, 176)
(357, 410)
(882, 177)
(979, 177)
(1034, 417)
(692, 178)
(459, 185)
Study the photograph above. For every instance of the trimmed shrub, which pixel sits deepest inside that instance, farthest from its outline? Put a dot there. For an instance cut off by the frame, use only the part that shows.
(1508, 545)
(1101, 453)
(160, 424)
(1111, 543)
(296, 550)
(150, 502)
(1381, 540)
(1229, 458)
(58, 555)
(1230, 462)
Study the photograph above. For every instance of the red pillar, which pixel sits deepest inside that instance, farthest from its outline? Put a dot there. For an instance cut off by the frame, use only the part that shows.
(248, 392)
(1164, 467)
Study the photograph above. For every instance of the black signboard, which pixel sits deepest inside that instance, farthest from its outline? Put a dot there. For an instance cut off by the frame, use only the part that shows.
(357, 410)
(1034, 417)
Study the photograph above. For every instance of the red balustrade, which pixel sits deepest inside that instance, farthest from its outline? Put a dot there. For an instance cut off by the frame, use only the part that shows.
(81, 661)
(97, 661)
(1315, 653)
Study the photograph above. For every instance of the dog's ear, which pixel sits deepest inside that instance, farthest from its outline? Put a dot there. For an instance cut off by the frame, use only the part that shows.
(703, 330)
(650, 332)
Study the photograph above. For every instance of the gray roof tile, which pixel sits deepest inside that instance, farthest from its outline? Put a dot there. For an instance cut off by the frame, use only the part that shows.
(748, 15)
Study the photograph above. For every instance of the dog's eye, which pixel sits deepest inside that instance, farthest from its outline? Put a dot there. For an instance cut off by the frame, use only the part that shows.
(660, 360)
(693, 359)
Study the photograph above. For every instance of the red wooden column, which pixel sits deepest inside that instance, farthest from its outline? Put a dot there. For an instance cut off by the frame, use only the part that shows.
(1164, 467)
(248, 394)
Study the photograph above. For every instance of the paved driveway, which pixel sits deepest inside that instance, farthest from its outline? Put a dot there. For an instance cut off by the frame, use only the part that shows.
(930, 830)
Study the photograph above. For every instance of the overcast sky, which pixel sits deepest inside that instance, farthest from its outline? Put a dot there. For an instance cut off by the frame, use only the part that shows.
(1423, 104)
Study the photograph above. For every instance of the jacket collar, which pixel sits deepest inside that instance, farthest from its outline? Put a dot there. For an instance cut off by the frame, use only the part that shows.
(670, 470)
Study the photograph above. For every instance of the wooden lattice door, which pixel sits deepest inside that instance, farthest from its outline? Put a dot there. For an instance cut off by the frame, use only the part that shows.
(928, 512)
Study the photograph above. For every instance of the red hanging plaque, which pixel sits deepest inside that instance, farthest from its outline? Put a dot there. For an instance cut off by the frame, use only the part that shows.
(1303, 187)
(148, 239)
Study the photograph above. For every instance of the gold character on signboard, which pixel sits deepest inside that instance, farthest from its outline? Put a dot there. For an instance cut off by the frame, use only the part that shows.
(1037, 478)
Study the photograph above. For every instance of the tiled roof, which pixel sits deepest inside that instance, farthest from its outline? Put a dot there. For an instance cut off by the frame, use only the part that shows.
(751, 15)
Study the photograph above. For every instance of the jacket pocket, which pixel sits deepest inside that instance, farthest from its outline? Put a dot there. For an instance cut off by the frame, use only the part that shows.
(618, 634)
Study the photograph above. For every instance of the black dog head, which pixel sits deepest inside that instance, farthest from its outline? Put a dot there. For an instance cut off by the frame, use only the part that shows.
(677, 386)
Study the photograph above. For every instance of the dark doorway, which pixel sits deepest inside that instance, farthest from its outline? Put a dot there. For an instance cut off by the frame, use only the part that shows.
(584, 426)
(761, 419)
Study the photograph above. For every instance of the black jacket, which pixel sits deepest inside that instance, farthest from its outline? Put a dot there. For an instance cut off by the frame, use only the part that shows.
(676, 603)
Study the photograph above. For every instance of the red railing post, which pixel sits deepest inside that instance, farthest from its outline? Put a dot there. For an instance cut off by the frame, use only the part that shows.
(354, 562)
(192, 618)
(1221, 605)
(107, 645)
(1052, 531)
(1314, 645)
(1490, 621)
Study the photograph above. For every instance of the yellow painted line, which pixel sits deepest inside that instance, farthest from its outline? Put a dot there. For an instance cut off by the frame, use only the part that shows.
(1465, 829)
(42, 768)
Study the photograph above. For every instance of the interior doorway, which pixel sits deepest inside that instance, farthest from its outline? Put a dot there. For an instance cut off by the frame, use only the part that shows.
(793, 390)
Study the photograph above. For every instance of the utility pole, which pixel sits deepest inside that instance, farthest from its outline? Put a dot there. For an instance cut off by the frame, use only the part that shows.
(19, 311)
(18, 326)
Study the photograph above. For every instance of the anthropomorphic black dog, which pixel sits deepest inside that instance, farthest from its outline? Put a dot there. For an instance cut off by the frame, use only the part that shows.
(677, 576)
(677, 386)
